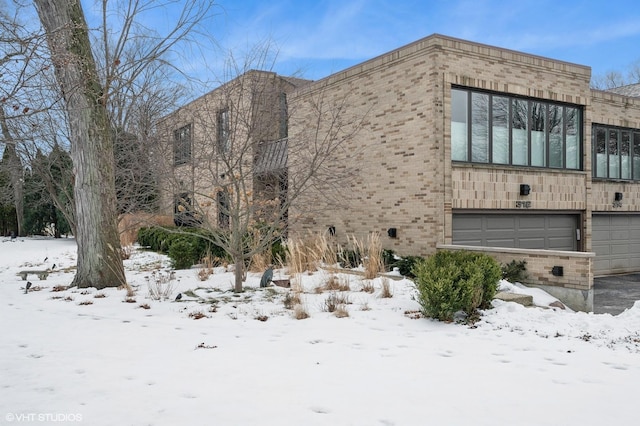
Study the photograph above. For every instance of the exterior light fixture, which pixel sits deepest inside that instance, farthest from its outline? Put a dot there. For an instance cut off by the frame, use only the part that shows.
(392, 232)
(332, 231)
(617, 196)
(525, 189)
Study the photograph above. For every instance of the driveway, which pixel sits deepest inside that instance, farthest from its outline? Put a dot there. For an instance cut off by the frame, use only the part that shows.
(615, 293)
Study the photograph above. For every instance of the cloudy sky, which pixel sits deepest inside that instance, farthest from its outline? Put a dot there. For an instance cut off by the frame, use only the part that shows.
(323, 36)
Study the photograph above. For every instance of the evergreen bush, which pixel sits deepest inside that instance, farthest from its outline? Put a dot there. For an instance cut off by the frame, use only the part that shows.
(514, 271)
(452, 281)
(183, 253)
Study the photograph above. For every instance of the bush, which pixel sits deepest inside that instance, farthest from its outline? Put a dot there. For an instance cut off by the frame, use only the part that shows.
(194, 241)
(183, 253)
(452, 281)
(514, 271)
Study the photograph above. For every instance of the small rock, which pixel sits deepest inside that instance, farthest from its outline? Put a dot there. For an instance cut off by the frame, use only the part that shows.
(557, 304)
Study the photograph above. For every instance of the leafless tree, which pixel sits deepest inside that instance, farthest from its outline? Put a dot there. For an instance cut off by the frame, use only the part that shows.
(86, 98)
(234, 169)
(618, 78)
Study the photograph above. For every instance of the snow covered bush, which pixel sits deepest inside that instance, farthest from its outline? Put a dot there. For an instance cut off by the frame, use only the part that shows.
(453, 281)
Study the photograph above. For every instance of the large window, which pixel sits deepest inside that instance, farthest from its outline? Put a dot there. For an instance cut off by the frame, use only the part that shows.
(182, 145)
(498, 129)
(616, 153)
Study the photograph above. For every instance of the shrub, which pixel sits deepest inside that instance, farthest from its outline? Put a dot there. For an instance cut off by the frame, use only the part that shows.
(452, 281)
(405, 265)
(195, 240)
(514, 271)
(183, 253)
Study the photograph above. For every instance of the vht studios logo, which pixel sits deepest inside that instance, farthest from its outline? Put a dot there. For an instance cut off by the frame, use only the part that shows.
(43, 417)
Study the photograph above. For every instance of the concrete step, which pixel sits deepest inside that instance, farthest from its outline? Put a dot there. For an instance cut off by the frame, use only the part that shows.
(523, 299)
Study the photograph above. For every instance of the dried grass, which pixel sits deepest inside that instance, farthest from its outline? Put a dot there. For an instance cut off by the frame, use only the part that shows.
(341, 312)
(334, 301)
(161, 285)
(292, 299)
(307, 254)
(300, 312)
(370, 252)
(367, 286)
(386, 288)
(336, 283)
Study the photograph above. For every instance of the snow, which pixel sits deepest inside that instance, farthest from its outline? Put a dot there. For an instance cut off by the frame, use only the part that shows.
(74, 357)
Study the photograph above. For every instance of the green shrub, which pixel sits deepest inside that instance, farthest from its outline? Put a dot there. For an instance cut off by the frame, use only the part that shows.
(405, 265)
(514, 271)
(452, 281)
(195, 241)
(183, 253)
(388, 259)
(491, 274)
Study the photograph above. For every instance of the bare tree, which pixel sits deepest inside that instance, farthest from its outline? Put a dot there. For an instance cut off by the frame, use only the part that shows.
(87, 98)
(233, 168)
(99, 258)
(15, 171)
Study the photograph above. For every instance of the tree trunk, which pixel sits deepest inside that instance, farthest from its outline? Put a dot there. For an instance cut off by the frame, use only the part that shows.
(99, 251)
(239, 272)
(16, 172)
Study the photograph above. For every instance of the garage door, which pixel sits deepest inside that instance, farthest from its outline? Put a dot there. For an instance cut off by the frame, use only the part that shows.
(616, 242)
(530, 231)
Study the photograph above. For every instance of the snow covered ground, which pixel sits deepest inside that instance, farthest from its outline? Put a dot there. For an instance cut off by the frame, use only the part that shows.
(99, 358)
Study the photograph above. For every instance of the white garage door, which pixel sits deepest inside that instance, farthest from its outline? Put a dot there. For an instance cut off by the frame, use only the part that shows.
(616, 242)
(530, 231)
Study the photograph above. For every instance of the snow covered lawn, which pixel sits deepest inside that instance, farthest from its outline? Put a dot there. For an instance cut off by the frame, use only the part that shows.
(99, 358)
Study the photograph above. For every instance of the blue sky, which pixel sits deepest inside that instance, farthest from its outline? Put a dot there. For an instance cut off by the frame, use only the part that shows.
(317, 38)
(324, 36)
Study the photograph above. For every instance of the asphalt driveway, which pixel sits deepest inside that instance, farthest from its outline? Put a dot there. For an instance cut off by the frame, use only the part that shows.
(615, 293)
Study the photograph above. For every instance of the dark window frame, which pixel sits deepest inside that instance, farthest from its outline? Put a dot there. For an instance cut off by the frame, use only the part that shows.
(484, 149)
(613, 152)
(223, 130)
(182, 145)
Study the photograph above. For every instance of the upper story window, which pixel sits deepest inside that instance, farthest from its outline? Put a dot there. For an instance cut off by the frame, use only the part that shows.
(284, 115)
(182, 145)
(616, 152)
(499, 129)
(223, 140)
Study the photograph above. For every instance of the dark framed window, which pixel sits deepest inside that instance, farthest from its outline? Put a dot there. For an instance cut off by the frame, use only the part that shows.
(182, 145)
(492, 128)
(284, 115)
(223, 126)
(616, 152)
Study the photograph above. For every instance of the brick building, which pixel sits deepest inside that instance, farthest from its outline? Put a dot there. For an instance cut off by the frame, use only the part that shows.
(468, 146)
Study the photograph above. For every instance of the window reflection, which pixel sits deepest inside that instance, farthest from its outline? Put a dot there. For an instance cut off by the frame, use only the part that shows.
(498, 129)
(616, 153)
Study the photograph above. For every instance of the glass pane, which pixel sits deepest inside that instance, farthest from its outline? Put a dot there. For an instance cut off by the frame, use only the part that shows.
(572, 146)
(500, 123)
(600, 148)
(556, 127)
(480, 127)
(625, 158)
(519, 132)
(459, 125)
(636, 156)
(538, 134)
(614, 155)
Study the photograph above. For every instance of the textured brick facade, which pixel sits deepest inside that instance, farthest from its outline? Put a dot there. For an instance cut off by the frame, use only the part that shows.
(403, 175)
(406, 177)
